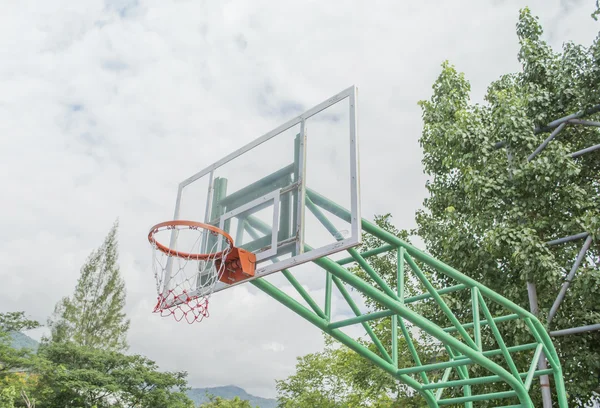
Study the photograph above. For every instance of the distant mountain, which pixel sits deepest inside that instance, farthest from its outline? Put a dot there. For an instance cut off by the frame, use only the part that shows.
(198, 395)
(20, 340)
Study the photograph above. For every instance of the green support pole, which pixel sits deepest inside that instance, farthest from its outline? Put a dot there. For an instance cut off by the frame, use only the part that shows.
(400, 294)
(365, 325)
(462, 351)
(476, 325)
(328, 296)
(537, 328)
(463, 373)
(425, 325)
(401, 253)
(286, 300)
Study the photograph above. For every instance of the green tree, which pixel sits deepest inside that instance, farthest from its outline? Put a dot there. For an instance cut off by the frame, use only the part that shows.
(337, 377)
(72, 375)
(94, 315)
(8, 395)
(218, 402)
(490, 211)
(15, 364)
(10, 358)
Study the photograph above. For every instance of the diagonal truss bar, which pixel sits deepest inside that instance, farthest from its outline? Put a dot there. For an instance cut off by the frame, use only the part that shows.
(372, 274)
(365, 325)
(309, 300)
(534, 361)
(570, 117)
(440, 302)
(546, 141)
(367, 254)
(463, 374)
(498, 336)
(551, 357)
(413, 351)
(288, 275)
(440, 390)
(476, 323)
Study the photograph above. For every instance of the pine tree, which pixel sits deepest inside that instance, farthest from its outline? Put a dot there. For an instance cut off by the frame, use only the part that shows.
(93, 316)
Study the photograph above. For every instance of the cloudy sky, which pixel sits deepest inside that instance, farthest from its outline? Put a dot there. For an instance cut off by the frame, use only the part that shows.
(106, 105)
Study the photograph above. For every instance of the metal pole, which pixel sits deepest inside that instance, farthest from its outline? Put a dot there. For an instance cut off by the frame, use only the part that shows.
(570, 276)
(573, 118)
(584, 122)
(575, 330)
(545, 142)
(584, 151)
(577, 115)
(568, 239)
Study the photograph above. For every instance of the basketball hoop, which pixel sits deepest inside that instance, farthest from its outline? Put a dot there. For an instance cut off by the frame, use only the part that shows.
(187, 270)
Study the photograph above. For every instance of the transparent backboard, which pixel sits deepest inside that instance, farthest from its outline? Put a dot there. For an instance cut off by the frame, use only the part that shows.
(277, 195)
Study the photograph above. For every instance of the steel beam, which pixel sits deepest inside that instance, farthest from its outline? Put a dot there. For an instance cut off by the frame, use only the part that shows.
(567, 239)
(584, 151)
(575, 330)
(569, 279)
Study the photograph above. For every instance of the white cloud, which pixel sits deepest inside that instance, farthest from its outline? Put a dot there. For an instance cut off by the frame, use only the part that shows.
(106, 106)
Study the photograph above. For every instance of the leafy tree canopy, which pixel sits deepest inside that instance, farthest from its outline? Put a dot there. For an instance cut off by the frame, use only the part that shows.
(93, 315)
(10, 358)
(490, 211)
(78, 376)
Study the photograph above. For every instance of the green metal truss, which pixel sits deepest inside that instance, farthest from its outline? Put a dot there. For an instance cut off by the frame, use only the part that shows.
(472, 347)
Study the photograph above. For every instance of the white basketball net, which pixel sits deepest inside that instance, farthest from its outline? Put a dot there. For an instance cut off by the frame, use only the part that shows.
(184, 283)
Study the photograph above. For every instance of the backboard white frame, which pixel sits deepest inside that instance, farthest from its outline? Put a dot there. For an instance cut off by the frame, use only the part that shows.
(301, 257)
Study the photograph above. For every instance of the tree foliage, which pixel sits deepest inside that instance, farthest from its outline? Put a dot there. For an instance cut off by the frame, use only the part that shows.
(93, 316)
(72, 375)
(12, 359)
(16, 322)
(337, 377)
(490, 211)
(15, 384)
(67, 375)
